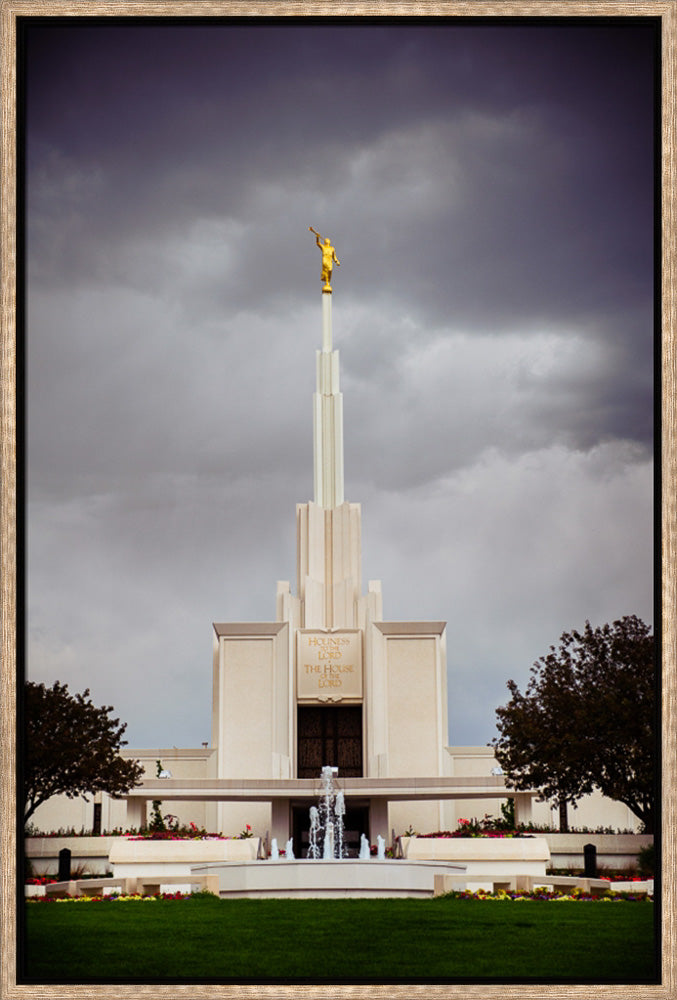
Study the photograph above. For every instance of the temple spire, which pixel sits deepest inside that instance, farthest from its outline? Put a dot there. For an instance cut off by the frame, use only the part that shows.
(328, 400)
(328, 528)
(328, 420)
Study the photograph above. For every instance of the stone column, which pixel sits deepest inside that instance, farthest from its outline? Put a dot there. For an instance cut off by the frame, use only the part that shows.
(136, 813)
(280, 823)
(523, 812)
(378, 819)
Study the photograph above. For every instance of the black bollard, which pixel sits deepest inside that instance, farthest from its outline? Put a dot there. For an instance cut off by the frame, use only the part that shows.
(64, 865)
(590, 858)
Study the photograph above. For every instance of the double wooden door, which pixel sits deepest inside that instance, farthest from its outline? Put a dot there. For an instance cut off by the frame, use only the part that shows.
(329, 735)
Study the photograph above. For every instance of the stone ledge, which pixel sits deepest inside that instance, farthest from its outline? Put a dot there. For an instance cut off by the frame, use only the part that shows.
(128, 855)
(80, 847)
(143, 885)
(477, 850)
(350, 878)
(492, 882)
(606, 843)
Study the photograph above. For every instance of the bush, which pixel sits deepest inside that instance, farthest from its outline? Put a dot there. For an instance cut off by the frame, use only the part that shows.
(490, 826)
(646, 861)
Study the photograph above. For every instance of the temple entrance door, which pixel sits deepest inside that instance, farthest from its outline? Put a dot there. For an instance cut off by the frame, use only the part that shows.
(355, 823)
(329, 735)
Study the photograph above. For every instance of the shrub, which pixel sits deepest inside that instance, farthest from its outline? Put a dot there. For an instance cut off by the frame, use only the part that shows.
(492, 827)
(646, 861)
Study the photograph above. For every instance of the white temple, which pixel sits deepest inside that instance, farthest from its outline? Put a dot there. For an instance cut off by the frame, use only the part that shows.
(329, 682)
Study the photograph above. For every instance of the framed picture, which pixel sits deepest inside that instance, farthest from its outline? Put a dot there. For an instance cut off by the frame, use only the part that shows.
(449, 434)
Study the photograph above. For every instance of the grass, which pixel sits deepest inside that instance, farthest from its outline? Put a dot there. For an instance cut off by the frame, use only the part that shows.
(352, 940)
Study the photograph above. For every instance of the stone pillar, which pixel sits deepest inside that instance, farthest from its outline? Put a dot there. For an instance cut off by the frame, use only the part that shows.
(378, 819)
(523, 813)
(136, 813)
(280, 823)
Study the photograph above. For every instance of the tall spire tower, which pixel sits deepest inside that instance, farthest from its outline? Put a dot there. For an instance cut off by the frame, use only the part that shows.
(329, 534)
(328, 418)
(329, 682)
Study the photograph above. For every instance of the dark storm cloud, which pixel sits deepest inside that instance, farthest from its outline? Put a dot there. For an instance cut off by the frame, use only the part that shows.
(499, 177)
(489, 192)
(523, 140)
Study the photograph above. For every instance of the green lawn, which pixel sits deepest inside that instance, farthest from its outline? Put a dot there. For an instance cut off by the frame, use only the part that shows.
(352, 940)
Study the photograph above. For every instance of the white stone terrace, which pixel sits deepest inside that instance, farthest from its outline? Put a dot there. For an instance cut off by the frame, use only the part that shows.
(280, 792)
(265, 789)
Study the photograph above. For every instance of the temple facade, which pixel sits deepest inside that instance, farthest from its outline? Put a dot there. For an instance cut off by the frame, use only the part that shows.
(331, 682)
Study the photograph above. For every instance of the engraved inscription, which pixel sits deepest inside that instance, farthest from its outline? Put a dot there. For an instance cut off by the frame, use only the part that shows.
(329, 664)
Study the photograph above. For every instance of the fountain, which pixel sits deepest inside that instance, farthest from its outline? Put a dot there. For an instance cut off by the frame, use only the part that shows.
(326, 821)
(292, 878)
(339, 812)
(313, 849)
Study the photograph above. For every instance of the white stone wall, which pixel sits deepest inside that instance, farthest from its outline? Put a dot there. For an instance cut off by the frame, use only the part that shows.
(252, 725)
(425, 817)
(593, 810)
(60, 812)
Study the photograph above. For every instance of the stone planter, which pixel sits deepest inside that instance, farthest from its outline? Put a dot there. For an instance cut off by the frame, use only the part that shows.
(646, 885)
(140, 858)
(34, 890)
(484, 855)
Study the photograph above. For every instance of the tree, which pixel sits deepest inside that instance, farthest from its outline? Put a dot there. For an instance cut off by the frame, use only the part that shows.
(71, 748)
(586, 720)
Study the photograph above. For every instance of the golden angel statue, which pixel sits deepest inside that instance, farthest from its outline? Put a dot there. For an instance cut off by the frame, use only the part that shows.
(328, 258)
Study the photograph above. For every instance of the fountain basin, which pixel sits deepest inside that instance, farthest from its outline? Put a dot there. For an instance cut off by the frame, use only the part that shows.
(331, 879)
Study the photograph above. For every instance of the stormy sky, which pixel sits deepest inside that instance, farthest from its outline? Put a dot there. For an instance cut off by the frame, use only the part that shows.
(489, 191)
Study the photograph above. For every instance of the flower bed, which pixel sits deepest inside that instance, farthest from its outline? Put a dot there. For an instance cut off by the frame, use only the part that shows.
(90, 854)
(111, 898)
(576, 895)
(171, 835)
(471, 828)
(622, 855)
(492, 827)
(621, 878)
(171, 830)
(543, 895)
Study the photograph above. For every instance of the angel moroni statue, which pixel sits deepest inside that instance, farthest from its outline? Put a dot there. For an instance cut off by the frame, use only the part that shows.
(328, 259)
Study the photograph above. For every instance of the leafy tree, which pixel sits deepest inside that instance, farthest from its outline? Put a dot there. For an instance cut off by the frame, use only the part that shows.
(71, 748)
(586, 720)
